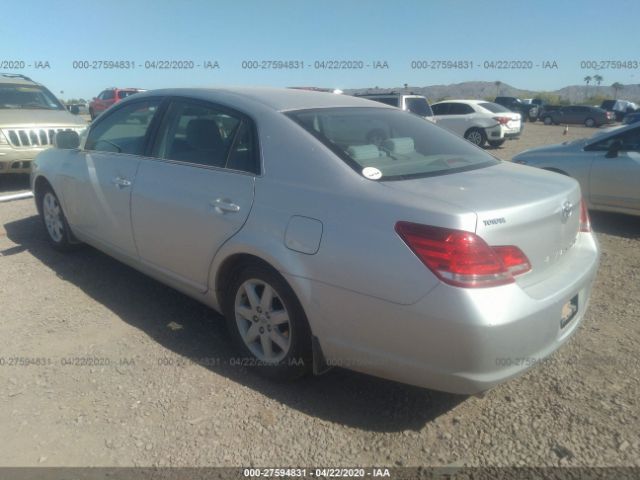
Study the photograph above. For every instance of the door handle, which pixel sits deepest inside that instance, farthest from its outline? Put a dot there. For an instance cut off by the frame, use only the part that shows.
(223, 205)
(121, 182)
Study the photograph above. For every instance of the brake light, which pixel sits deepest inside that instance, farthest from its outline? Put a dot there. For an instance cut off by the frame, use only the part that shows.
(502, 120)
(463, 259)
(585, 221)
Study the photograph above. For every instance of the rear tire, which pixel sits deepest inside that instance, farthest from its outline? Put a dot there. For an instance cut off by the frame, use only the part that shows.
(589, 123)
(476, 136)
(547, 120)
(268, 324)
(496, 143)
(92, 114)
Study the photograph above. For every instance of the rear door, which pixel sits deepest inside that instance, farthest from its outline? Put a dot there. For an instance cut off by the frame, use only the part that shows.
(196, 192)
(614, 182)
(458, 117)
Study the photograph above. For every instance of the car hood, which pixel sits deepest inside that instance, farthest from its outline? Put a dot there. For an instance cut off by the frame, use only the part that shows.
(34, 118)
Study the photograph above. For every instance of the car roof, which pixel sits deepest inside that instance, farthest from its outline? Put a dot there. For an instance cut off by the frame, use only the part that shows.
(16, 79)
(467, 102)
(279, 99)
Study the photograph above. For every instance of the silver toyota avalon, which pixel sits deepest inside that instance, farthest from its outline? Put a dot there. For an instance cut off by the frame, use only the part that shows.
(330, 230)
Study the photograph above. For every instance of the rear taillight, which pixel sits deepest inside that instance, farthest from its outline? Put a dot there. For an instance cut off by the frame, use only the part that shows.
(585, 221)
(502, 120)
(463, 258)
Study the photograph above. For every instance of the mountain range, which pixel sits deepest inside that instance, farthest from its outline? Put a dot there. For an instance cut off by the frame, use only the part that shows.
(482, 90)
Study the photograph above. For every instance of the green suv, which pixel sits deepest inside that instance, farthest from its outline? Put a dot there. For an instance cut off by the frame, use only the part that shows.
(30, 116)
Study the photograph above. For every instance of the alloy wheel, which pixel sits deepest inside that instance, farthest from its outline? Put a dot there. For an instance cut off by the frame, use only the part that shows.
(53, 217)
(263, 321)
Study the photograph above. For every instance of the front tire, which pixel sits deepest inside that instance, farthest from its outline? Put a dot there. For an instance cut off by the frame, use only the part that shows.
(547, 120)
(268, 324)
(55, 223)
(476, 136)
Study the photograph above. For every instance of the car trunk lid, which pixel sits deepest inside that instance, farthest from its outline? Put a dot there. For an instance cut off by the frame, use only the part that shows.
(535, 210)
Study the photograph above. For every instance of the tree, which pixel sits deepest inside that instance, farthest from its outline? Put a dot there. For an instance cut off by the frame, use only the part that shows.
(616, 88)
(498, 84)
(598, 79)
(587, 80)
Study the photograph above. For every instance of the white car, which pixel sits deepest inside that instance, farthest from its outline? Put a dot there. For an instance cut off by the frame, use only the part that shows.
(478, 121)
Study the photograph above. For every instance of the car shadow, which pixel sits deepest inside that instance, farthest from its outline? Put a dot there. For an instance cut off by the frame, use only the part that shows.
(193, 331)
(12, 183)
(617, 224)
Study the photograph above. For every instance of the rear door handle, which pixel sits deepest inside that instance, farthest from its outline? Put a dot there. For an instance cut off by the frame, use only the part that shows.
(224, 205)
(121, 182)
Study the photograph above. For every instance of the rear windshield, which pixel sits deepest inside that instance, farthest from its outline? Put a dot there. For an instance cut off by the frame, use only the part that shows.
(28, 96)
(494, 107)
(393, 101)
(126, 93)
(385, 144)
(419, 106)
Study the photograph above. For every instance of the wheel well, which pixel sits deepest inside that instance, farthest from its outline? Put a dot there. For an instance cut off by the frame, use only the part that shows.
(230, 267)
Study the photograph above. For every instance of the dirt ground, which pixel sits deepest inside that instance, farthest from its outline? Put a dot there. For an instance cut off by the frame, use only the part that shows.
(102, 366)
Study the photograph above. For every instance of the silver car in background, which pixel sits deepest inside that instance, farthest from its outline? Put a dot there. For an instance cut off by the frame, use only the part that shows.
(410, 254)
(607, 165)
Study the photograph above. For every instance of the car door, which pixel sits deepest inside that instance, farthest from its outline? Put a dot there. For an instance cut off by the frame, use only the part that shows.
(457, 118)
(98, 182)
(196, 192)
(614, 180)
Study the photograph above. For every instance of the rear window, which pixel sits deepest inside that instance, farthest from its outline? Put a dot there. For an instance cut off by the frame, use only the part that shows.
(494, 107)
(393, 101)
(386, 144)
(126, 93)
(419, 106)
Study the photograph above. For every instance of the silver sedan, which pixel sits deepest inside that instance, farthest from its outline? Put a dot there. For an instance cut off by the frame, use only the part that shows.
(607, 165)
(330, 231)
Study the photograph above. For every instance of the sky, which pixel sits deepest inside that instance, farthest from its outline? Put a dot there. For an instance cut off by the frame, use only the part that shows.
(50, 36)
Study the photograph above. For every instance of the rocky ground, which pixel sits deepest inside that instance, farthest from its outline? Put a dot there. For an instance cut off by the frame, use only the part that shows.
(102, 366)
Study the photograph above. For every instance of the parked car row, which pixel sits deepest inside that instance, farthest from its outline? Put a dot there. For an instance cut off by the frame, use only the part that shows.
(478, 121)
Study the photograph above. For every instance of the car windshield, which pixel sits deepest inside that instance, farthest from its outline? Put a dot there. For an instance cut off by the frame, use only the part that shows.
(419, 106)
(28, 96)
(494, 107)
(386, 144)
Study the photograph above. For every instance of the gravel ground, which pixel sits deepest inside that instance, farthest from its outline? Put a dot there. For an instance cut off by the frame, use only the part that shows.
(165, 399)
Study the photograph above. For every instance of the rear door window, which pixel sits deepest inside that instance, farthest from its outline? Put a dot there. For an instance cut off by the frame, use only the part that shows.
(460, 109)
(419, 106)
(207, 135)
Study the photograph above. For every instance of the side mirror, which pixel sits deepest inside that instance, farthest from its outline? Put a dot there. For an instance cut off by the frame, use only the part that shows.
(66, 140)
(74, 109)
(614, 149)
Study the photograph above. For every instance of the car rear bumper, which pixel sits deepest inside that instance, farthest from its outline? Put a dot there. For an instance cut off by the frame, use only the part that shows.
(456, 340)
(500, 132)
